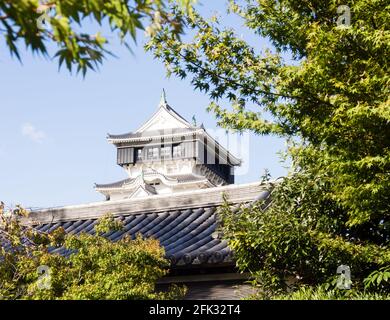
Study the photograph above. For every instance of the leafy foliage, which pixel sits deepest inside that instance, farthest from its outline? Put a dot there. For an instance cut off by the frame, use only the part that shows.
(95, 268)
(322, 293)
(331, 101)
(39, 24)
(299, 237)
(378, 279)
(334, 97)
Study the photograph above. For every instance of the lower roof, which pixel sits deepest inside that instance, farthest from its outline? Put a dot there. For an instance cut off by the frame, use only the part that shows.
(188, 235)
(179, 178)
(185, 223)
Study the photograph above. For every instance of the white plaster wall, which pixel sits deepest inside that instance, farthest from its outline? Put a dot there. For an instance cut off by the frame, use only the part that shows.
(166, 167)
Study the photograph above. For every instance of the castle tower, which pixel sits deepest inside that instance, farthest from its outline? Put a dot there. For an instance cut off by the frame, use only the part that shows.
(166, 155)
(178, 177)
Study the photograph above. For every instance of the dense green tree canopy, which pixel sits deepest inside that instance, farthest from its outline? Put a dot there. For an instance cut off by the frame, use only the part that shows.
(335, 97)
(41, 24)
(331, 101)
(95, 267)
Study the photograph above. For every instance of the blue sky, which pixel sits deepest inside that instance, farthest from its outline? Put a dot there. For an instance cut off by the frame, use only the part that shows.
(53, 124)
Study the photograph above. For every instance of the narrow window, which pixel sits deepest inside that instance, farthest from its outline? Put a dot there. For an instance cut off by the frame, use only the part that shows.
(155, 153)
(138, 155)
(177, 151)
(150, 153)
(166, 152)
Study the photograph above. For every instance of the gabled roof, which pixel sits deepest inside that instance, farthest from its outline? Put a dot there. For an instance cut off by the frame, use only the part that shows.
(167, 123)
(143, 190)
(165, 118)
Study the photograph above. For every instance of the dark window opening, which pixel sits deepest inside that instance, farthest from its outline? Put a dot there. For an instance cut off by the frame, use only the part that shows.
(178, 151)
(138, 154)
(166, 152)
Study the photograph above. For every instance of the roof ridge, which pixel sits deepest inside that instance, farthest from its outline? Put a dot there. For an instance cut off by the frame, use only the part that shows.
(186, 199)
(113, 184)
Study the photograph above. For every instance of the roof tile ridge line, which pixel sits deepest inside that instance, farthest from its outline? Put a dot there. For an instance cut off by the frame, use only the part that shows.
(54, 219)
(208, 190)
(229, 186)
(195, 131)
(217, 189)
(134, 182)
(170, 130)
(169, 207)
(37, 221)
(131, 182)
(124, 181)
(168, 181)
(176, 114)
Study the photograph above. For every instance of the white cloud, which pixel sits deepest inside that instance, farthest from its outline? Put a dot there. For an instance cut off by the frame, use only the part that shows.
(29, 131)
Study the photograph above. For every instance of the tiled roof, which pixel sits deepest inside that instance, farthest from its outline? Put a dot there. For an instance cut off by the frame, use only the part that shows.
(180, 179)
(186, 177)
(187, 235)
(117, 184)
(162, 132)
(185, 223)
